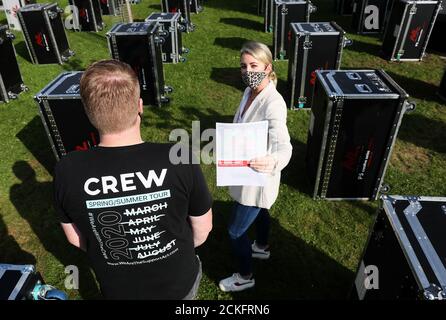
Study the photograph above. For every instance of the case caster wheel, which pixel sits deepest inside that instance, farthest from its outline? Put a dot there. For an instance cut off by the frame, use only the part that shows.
(24, 88)
(282, 56)
(164, 100)
(270, 29)
(182, 59)
(12, 95)
(10, 36)
(385, 188)
(347, 42)
(185, 50)
(411, 106)
(168, 89)
(182, 28)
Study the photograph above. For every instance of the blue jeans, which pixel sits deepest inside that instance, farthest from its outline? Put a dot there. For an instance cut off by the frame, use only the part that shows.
(242, 218)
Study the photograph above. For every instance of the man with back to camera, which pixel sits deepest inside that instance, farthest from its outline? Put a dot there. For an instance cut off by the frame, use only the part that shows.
(137, 216)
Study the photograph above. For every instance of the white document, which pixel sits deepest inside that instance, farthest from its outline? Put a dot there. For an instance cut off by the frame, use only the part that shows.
(237, 144)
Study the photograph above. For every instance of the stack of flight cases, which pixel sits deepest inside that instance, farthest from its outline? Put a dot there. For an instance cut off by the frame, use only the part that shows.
(369, 16)
(354, 122)
(87, 15)
(286, 12)
(408, 29)
(139, 45)
(344, 7)
(405, 256)
(181, 6)
(313, 46)
(11, 82)
(63, 116)
(44, 33)
(11, 7)
(172, 49)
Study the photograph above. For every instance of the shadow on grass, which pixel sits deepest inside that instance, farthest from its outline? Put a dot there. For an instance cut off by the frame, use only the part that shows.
(296, 270)
(22, 51)
(424, 132)
(366, 47)
(33, 201)
(249, 7)
(243, 23)
(228, 76)
(34, 137)
(294, 174)
(417, 88)
(10, 251)
(233, 43)
(207, 117)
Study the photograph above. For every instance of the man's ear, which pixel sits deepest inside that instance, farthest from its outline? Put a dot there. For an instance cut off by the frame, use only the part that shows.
(140, 106)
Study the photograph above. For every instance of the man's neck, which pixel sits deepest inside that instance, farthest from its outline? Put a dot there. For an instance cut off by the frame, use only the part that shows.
(124, 138)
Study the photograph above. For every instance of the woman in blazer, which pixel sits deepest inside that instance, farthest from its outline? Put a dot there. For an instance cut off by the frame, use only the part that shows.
(261, 101)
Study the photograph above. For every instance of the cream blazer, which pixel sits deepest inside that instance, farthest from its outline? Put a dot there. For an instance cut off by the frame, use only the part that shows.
(268, 105)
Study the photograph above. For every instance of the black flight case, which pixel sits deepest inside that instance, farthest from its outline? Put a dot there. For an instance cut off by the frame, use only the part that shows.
(408, 29)
(63, 115)
(268, 13)
(355, 118)
(139, 45)
(196, 6)
(181, 6)
(89, 16)
(313, 46)
(437, 40)
(405, 256)
(11, 82)
(172, 48)
(369, 16)
(344, 7)
(286, 12)
(110, 7)
(44, 33)
(17, 282)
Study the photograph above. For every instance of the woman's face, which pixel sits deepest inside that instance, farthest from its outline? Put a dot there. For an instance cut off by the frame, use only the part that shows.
(249, 63)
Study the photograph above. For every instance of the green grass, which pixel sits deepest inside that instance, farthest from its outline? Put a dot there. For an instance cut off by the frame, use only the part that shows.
(316, 245)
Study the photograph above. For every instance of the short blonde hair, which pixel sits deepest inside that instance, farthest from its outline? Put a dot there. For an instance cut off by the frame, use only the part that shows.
(110, 92)
(261, 53)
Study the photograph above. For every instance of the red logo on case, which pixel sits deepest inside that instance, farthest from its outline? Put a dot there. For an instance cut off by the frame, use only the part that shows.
(39, 39)
(413, 35)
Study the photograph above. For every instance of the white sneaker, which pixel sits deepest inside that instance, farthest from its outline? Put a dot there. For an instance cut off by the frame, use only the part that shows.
(259, 253)
(236, 283)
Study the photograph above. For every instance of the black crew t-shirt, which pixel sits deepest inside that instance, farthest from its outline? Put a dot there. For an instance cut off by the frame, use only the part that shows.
(131, 206)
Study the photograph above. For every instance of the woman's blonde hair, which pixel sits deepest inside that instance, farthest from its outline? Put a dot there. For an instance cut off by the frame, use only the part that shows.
(261, 53)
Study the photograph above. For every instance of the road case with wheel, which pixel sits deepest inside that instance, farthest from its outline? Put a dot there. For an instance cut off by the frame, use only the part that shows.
(354, 122)
(408, 29)
(181, 6)
(44, 33)
(313, 46)
(11, 82)
(172, 49)
(405, 255)
(196, 6)
(286, 12)
(88, 16)
(63, 115)
(139, 45)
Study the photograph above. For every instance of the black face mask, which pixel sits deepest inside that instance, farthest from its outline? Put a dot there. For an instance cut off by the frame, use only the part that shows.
(253, 79)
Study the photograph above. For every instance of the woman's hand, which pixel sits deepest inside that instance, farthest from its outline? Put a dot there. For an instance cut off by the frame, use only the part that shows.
(264, 164)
